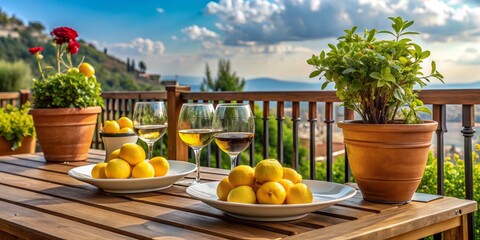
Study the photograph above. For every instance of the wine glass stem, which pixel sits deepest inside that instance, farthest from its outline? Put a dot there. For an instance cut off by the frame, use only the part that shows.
(197, 162)
(233, 161)
(150, 150)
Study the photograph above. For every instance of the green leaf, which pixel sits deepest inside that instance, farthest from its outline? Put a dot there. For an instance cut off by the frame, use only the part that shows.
(348, 70)
(315, 73)
(399, 94)
(324, 85)
(371, 34)
(423, 109)
(376, 75)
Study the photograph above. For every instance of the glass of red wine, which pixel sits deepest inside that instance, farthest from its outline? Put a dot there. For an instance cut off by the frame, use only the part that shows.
(234, 127)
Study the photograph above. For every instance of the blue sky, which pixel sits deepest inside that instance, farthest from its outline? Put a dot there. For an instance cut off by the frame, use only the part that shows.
(262, 38)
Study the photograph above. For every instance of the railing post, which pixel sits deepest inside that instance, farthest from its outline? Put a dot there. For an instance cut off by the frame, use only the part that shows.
(25, 96)
(266, 132)
(468, 121)
(177, 150)
(439, 115)
(329, 141)
(347, 115)
(312, 118)
(296, 121)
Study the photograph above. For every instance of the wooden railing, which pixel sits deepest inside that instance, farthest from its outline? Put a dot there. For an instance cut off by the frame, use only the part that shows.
(121, 104)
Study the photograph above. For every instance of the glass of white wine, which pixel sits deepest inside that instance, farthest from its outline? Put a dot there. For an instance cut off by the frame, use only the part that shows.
(195, 130)
(234, 127)
(150, 122)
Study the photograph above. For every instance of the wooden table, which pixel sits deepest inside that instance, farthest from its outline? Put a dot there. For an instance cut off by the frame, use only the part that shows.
(39, 200)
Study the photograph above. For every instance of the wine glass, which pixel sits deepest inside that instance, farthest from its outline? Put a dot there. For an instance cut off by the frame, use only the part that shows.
(195, 130)
(150, 122)
(234, 127)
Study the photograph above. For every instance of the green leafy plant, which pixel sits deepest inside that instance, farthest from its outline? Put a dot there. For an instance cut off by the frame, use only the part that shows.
(68, 86)
(374, 77)
(15, 124)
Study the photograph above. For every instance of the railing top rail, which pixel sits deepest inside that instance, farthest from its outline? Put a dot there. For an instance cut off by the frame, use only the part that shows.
(433, 96)
(157, 95)
(9, 95)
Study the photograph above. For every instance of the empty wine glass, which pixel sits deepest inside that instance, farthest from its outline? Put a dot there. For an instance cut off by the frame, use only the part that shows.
(234, 127)
(150, 122)
(195, 130)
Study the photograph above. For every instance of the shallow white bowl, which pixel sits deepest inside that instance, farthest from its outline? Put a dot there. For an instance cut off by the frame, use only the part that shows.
(325, 194)
(178, 169)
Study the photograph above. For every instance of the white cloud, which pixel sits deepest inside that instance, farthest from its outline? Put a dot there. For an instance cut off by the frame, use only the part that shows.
(199, 33)
(160, 10)
(268, 22)
(140, 46)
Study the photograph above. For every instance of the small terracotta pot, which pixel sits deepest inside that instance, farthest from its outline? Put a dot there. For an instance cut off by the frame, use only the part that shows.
(387, 160)
(28, 146)
(65, 134)
(114, 141)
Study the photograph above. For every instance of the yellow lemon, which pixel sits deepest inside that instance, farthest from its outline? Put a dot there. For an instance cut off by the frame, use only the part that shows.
(118, 168)
(125, 130)
(161, 166)
(271, 193)
(268, 170)
(114, 154)
(143, 170)
(132, 153)
(241, 175)
(292, 175)
(125, 122)
(111, 126)
(223, 189)
(86, 69)
(242, 194)
(299, 193)
(98, 171)
(287, 184)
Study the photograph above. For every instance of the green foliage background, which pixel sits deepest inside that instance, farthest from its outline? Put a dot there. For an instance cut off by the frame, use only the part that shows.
(14, 76)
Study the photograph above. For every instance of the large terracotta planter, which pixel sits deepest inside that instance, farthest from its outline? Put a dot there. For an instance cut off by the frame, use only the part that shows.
(28, 146)
(387, 160)
(65, 134)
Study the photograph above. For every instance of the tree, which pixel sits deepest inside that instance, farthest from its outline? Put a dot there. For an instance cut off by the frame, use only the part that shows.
(225, 81)
(142, 66)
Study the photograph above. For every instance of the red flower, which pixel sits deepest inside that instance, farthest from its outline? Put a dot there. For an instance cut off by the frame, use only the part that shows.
(73, 47)
(35, 50)
(64, 35)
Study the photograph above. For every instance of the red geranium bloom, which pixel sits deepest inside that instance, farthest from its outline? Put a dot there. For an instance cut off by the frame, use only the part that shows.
(35, 50)
(73, 47)
(64, 35)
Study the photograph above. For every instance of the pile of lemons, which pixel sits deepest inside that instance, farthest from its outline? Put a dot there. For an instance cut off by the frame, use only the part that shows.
(122, 125)
(267, 183)
(129, 161)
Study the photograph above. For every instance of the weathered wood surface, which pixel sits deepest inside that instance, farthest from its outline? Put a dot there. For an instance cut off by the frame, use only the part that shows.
(39, 200)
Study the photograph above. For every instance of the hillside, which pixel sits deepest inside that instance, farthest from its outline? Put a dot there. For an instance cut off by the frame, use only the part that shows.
(16, 38)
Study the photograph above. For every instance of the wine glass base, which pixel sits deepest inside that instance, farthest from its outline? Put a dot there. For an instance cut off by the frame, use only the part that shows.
(188, 182)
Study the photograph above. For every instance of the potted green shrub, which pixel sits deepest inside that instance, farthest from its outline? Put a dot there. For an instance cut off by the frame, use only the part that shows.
(17, 133)
(66, 101)
(387, 152)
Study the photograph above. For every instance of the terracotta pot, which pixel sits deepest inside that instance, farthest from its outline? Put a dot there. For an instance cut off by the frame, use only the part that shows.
(65, 134)
(387, 160)
(28, 146)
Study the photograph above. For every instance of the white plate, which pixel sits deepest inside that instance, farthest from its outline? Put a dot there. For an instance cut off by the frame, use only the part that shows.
(325, 194)
(178, 169)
